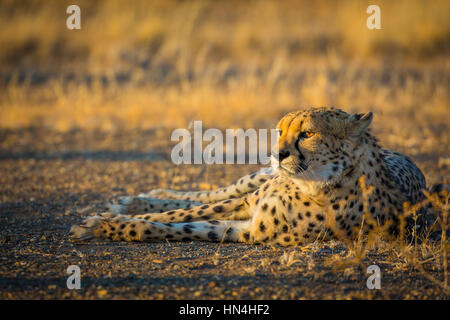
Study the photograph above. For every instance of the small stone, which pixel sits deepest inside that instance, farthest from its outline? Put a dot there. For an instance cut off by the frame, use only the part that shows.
(101, 293)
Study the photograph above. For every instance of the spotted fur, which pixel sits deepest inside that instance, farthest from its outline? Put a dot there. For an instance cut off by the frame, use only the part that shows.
(327, 173)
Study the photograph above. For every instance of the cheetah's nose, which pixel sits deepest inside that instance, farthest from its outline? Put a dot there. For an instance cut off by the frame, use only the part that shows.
(283, 154)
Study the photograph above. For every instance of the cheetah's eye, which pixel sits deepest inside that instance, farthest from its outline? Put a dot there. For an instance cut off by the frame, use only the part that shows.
(305, 134)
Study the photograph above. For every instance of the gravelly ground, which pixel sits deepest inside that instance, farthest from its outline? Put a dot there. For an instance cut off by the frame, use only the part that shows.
(50, 181)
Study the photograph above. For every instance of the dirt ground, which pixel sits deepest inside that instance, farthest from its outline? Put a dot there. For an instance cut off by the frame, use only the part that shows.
(55, 185)
(86, 117)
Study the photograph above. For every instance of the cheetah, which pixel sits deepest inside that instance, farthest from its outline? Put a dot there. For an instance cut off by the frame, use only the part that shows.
(328, 179)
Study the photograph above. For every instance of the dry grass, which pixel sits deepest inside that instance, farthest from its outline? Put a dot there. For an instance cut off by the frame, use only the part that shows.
(413, 252)
(237, 64)
(230, 64)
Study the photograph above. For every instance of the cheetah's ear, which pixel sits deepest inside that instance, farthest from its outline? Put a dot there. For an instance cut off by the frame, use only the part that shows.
(359, 122)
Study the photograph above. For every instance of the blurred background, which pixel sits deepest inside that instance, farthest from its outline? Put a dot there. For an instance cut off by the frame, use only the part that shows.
(158, 65)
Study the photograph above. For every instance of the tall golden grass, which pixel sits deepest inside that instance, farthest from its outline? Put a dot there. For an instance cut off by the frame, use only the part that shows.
(200, 33)
(141, 64)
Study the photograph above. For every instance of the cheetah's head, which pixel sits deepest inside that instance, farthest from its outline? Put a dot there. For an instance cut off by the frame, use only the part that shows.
(318, 147)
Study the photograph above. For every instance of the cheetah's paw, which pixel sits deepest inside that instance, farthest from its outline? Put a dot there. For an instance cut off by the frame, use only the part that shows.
(85, 231)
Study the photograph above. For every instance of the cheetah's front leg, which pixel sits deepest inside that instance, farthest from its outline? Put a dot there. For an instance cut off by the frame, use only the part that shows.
(243, 186)
(236, 209)
(231, 209)
(99, 227)
(133, 205)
